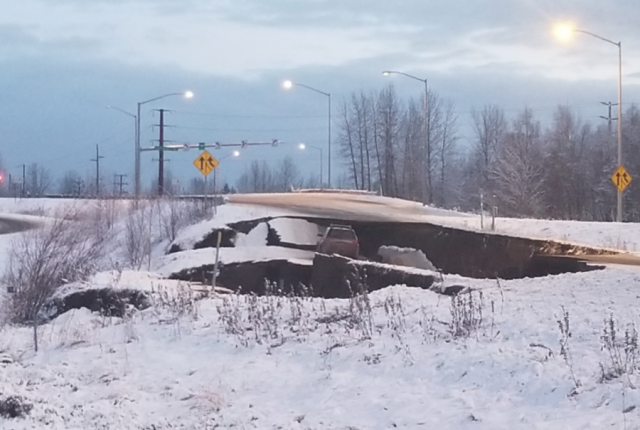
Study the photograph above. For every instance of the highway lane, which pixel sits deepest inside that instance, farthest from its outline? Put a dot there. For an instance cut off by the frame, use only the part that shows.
(346, 206)
(15, 225)
(355, 207)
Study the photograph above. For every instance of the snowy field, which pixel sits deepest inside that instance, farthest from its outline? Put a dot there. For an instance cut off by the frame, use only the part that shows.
(397, 358)
(318, 364)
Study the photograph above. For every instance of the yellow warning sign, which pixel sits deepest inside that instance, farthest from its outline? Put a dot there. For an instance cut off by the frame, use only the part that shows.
(206, 163)
(621, 178)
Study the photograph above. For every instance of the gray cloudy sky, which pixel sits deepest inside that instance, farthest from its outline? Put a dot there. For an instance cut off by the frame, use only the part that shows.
(63, 61)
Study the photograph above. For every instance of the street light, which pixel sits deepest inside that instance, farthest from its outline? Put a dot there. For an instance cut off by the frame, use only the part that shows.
(185, 94)
(565, 32)
(426, 124)
(215, 171)
(288, 85)
(304, 146)
(135, 124)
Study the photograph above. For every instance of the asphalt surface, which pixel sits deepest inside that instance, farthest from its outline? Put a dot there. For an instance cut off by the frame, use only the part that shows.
(345, 206)
(12, 225)
(355, 207)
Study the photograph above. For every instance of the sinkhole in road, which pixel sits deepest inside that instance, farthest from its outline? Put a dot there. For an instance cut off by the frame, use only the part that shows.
(453, 251)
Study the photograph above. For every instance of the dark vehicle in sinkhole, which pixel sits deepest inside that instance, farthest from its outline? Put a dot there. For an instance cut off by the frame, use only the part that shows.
(341, 240)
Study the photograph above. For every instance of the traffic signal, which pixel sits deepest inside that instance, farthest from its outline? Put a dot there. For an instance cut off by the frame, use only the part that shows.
(1, 177)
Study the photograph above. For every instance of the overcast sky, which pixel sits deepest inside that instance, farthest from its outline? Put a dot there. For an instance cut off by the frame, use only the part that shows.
(63, 61)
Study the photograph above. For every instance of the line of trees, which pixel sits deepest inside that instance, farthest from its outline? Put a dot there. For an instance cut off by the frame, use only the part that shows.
(561, 172)
(261, 177)
(390, 146)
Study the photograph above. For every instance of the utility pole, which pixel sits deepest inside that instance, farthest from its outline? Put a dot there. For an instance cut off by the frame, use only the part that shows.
(608, 118)
(161, 159)
(119, 183)
(97, 161)
(161, 155)
(78, 184)
(24, 178)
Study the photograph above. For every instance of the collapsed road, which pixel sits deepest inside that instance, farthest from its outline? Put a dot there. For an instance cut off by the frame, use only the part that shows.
(451, 251)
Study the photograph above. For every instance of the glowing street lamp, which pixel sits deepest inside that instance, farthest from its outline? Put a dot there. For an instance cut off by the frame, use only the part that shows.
(234, 154)
(317, 148)
(288, 85)
(565, 32)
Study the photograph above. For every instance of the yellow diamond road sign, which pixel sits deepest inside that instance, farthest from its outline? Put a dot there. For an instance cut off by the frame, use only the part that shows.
(206, 163)
(621, 178)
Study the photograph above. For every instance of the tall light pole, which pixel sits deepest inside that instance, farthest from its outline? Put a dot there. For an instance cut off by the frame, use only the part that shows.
(427, 130)
(135, 125)
(186, 94)
(317, 148)
(565, 32)
(288, 85)
(215, 171)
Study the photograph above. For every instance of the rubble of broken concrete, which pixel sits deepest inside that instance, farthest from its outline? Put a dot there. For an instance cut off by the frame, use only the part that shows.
(329, 276)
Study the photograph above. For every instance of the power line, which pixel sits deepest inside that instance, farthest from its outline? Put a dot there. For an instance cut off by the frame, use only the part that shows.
(219, 115)
(274, 130)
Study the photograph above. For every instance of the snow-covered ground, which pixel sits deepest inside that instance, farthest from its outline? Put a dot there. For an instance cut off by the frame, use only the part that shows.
(396, 365)
(399, 358)
(172, 263)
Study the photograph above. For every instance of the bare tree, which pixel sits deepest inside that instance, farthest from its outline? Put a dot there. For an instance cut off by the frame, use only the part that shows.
(388, 117)
(564, 171)
(137, 243)
(69, 183)
(412, 128)
(364, 116)
(347, 143)
(518, 170)
(38, 179)
(445, 151)
(42, 260)
(490, 126)
(288, 174)
(196, 186)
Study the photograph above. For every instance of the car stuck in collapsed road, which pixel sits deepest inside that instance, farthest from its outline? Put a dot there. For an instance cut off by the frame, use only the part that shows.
(341, 240)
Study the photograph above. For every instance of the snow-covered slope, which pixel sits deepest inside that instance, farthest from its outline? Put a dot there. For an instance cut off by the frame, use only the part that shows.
(397, 366)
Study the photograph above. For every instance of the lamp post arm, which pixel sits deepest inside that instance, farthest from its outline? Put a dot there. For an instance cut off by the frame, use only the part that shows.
(160, 97)
(122, 110)
(311, 88)
(618, 44)
(405, 74)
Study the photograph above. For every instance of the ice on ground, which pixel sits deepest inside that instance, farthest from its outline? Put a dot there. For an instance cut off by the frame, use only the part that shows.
(173, 263)
(405, 257)
(226, 214)
(256, 237)
(121, 280)
(295, 231)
